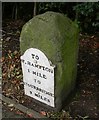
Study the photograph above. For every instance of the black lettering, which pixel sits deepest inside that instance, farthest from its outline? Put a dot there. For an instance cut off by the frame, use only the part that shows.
(48, 100)
(40, 75)
(28, 63)
(39, 89)
(33, 56)
(30, 92)
(46, 69)
(36, 65)
(36, 95)
(36, 57)
(43, 67)
(35, 80)
(41, 97)
(34, 87)
(37, 74)
(39, 82)
(29, 85)
(32, 64)
(44, 76)
(45, 98)
(43, 91)
(22, 60)
(51, 94)
(34, 72)
(51, 71)
(40, 67)
(28, 70)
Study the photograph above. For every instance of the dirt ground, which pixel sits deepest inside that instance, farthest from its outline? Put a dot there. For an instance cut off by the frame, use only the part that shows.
(83, 103)
(11, 112)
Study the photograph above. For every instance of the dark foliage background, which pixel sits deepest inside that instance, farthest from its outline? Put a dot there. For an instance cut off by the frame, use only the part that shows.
(85, 14)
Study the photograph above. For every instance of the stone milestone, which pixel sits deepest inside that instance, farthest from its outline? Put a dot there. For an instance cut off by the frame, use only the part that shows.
(49, 49)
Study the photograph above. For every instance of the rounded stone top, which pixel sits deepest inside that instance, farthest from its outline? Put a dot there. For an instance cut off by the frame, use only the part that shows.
(49, 32)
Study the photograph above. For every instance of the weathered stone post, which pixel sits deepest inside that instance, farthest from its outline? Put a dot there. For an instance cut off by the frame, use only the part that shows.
(49, 49)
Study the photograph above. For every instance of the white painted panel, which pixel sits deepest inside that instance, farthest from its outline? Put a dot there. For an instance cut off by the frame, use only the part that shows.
(38, 76)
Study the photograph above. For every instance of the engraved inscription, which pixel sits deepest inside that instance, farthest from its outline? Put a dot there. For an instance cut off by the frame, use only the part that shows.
(38, 76)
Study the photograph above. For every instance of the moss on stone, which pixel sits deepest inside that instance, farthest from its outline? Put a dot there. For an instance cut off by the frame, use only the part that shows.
(56, 36)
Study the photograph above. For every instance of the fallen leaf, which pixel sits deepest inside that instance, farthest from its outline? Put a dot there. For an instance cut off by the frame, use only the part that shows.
(10, 105)
(15, 52)
(30, 115)
(8, 38)
(43, 113)
(18, 112)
